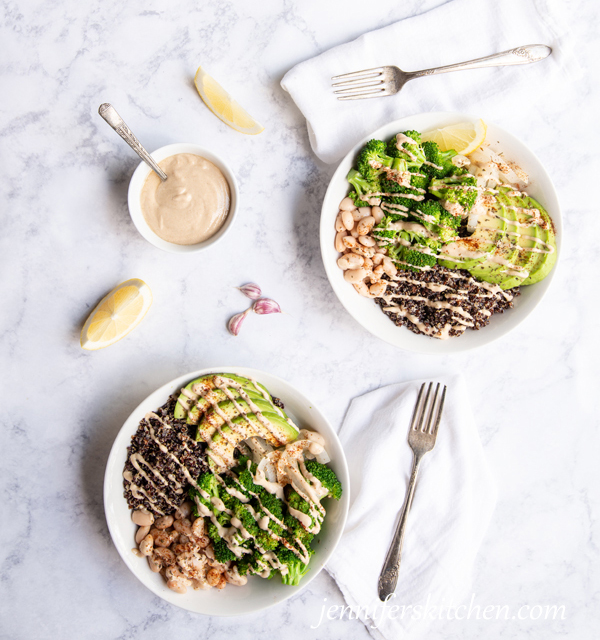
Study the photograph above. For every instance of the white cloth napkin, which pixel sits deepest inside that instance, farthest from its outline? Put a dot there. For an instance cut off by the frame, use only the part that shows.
(453, 504)
(457, 31)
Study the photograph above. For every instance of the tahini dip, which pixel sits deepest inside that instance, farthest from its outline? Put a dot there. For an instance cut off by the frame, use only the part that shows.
(191, 205)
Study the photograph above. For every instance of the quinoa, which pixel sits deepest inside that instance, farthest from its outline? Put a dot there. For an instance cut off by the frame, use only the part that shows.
(477, 301)
(168, 483)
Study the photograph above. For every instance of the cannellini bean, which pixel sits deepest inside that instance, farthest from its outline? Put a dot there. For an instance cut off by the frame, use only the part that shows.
(362, 288)
(348, 220)
(365, 225)
(154, 566)
(141, 533)
(343, 263)
(183, 526)
(382, 250)
(367, 241)
(339, 223)
(377, 213)
(184, 510)
(339, 245)
(202, 541)
(359, 214)
(163, 556)
(147, 545)
(355, 275)
(378, 289)
(389, 267)
(165, 539)
(377, 273)
(349, 242)
(354, 260)
(347, 204)
(222, 582)
(378, 259)
(368, 263)
(164, 522)
(180, 548)
(367, 252)
(198, 527)
(213, 577)
(142, 518)
(354, 233)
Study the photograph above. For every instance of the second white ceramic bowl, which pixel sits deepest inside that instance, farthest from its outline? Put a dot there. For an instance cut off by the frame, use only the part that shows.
(143, 171)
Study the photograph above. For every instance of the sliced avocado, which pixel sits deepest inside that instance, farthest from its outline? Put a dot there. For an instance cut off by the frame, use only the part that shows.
(227, 411)
(522, 259)
(248, 427)
(546, 260)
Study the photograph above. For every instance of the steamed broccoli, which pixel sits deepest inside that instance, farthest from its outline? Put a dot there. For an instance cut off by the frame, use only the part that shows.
(372, 158)
(361, 185)
(327, 478)
(296, 569)
(357, 199)
(265, 541)
(459, 189)
(246, 518)
(390, 186)
(410, 258)
(443, 160)
(414, 154)
(434, 217)
(222, 552)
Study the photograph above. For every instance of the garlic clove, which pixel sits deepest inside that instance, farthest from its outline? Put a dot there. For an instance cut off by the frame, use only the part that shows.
(265, 306)
(235, 322)
(251, 290)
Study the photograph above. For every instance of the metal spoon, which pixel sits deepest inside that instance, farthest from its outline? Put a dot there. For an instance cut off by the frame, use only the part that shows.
(109, 113)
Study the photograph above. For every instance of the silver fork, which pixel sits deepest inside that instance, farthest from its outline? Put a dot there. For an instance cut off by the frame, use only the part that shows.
(421, 438)
(386, 81)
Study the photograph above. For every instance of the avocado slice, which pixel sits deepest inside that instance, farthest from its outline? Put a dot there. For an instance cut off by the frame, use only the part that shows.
(224, 447)
(546, 260)
(227, 411)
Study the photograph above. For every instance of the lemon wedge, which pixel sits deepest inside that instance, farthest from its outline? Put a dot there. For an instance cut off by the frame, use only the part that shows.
(118, 313)
(224, 106)
(463, 137)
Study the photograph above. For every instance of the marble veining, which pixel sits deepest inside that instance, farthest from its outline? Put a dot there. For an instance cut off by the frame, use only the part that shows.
(67, 239)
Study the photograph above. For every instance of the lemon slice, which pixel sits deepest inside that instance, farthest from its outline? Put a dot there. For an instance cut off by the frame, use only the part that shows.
(118, 313)
(463, 137)
(224, 106)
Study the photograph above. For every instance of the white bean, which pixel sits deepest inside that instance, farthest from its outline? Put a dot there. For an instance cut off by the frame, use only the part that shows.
(367, 241)
(343, 263)
(377, 213)
(347, 205)
(213, 577)
(183, 526)
(348, 220)
(349, 242)
(355, 275)
(183, 510)
(382, 250)
(141, 533)
(354, 260)
(365, 211)
(389, 267)
(359, 214)
(147, 545)
(339, 224)
(368, 263)
(365, 225)
(339, 245)
(154, 566)
(142, 518)
(378, 259)
(367, 252)
(164, 522)
(362, 288)
(378, 289)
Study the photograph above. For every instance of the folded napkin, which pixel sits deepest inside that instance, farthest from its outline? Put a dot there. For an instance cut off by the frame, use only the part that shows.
(457, 31)
(453, 503)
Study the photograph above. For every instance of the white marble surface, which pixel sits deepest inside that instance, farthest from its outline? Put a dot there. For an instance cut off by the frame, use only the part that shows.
(67, 239)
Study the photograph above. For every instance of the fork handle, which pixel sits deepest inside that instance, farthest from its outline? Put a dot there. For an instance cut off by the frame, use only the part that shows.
(520, 55)
(388, 579)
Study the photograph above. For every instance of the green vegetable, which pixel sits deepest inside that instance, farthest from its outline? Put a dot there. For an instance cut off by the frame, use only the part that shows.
(327, 478)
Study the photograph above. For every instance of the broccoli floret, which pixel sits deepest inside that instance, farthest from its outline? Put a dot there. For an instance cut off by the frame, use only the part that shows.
(327, 478)
(244, 564)
(361, 185)
(228, 500)
(410, 258)
(416, 156)
(459, 189)
(443, 160)
(429, 212)
(222, 552)
(296, 569)
(246, 518)
(357, 200)
(208, 482)
(265, 541)
(297, 502)
(372, 158)
(246, 479)
(390, 186)
(213, 532)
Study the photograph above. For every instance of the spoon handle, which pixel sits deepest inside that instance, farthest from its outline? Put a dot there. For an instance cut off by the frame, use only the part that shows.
(109, 113)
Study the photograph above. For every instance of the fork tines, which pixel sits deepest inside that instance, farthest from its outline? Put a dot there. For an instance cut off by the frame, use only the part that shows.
(428, 412)
(368, 83)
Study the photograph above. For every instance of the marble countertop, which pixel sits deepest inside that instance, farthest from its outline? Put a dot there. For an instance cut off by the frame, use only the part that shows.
(67, 239)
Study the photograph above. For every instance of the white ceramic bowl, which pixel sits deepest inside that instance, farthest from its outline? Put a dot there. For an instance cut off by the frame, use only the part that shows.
(367, 312)
(143, 171)
(258, 593)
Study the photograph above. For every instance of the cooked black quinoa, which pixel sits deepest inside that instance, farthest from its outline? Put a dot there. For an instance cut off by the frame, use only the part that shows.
(277, 402)
(179, 440)
(477, 300)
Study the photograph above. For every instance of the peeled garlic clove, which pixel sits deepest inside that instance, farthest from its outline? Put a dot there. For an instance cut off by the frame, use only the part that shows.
(265, 306)
(251, 291)
(235, 323)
